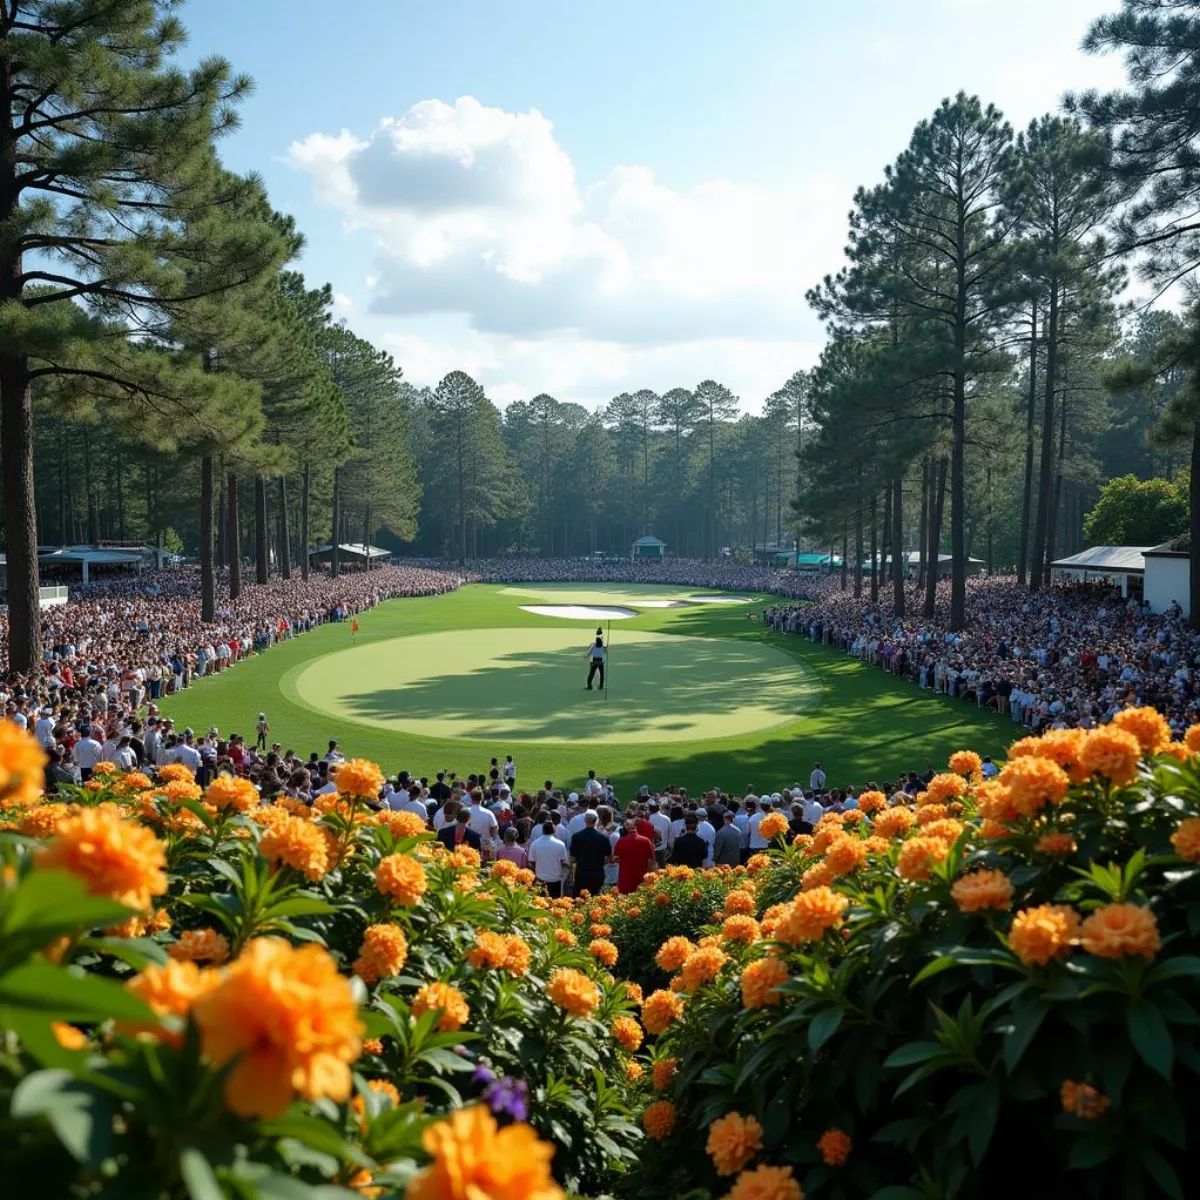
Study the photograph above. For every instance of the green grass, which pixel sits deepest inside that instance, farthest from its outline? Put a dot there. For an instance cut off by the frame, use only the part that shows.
(383, 699)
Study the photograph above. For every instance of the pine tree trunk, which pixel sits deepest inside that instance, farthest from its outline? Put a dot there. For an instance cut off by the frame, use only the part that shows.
(234, 539)
(1056, 502)
(1046, 475)
(858, 545)
(20, 509)
(222, 530)
(335, 553)
(898, 549)
(990, 566)
(208, 581)
(285, 533)
(1193, 531)
(305, 539)
(874, 548)
(885, 544)
(923, 526)
(1030, 414)
(93, 510)
(845, 557)
(262, 550)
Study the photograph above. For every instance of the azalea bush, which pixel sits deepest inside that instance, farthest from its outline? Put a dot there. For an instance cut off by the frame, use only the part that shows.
(204, 995)
(994, 983)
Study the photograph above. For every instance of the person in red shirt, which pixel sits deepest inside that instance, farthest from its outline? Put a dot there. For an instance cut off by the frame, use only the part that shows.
(634, 854)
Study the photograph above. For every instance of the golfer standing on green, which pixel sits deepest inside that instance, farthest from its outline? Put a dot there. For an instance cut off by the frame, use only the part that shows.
(596, 656)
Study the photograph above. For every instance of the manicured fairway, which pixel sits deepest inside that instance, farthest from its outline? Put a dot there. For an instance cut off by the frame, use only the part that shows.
(699, 695)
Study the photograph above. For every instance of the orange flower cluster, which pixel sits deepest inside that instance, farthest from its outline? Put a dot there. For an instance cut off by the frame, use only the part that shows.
(1055, 843)
(893, 822)
(1083, 1100)
(773, 825)
(628, 1032)
(740, 929)
(408, 824)
(733, 1140)
(382, 955)
(846, 854)
(660, 1011)
(662, 1074)
(1147, 725)
(443, 998)
(941, 789)
(739, 902)
(919, 855)
(402, 878)
(809, 915)
(759, 981)
(982, 889)
(672, 954)
(113, 857)
(1186, 838)
(871, 802)
(766, 1183)
(965, 762)
(359, 778)
(291, 1022)
(659, 1119)
(474, 1158)
(834, 1147)
(1112, 752)
(1041, 934)
(169, 991)
(703, 964)
(1033, 783)
(603, 951)
(231, 791)
(201, 945)
(1121, 930)
(297, 843)
(490, 950)
(573, 991)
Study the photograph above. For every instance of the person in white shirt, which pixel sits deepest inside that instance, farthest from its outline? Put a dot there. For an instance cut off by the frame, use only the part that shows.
(593, 787)
(184, 752)
(661, 822)
(708, 833)
(549, 858)
(412, 803)
(86, 754)
(816, 780)
(510, 772)
(579, 821)
(756, 841)
(813, 811)
(483, 822)
(44, 730)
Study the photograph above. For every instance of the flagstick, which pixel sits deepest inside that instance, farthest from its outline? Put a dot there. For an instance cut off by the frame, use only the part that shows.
(607, 658)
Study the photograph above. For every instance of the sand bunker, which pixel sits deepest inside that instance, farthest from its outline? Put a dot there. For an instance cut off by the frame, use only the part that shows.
(580, 612)
(718, 600)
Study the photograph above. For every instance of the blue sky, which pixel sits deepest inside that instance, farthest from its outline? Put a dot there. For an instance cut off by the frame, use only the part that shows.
(591, 197)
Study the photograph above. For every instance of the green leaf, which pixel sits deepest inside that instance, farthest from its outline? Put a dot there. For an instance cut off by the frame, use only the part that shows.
(139, 953)
(80, 1116)
(1094, 1148)
(1150, 1036)
(62, 994)
(198, 1176)
(823, 1026)
(298, 906)
(982, 1121)
(1026, 1022)
(914, 1052)
(1160, 1171)
(929, 970)
(1173, 968)
(50, 903)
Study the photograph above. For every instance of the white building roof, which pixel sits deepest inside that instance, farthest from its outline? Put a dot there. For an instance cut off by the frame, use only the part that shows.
(358, 549)
(1120, 560)
(649, 541)
(90, 555)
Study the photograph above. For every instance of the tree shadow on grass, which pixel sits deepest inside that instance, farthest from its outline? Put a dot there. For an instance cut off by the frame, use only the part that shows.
(540, 695)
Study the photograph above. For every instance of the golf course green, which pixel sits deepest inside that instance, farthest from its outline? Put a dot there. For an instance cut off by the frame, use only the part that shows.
(699, 694)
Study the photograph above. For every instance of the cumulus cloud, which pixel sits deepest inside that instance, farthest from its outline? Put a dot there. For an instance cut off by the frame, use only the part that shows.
(478, 212)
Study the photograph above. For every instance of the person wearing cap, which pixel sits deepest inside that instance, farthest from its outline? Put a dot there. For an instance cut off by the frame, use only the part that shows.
(44, 729)
(263, 727)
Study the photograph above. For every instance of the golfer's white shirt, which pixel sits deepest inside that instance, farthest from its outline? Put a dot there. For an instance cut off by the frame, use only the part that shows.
(709, 834)
(757, 841)
(816, 781)
(549, 859)
(483, 822)
(593, 787)
(662, 823)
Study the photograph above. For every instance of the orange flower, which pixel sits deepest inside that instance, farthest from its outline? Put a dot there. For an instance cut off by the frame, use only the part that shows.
(231, 791)
(518, 955)
(893, 822)
(1033, 783)
(964, 762)
(834, 1146)
(662, 1074)
(941, 789)
(402, 878)
(740, 929)
(68, 1036)
(739, 901)
(733, 1140)
(473, 1159)
(490, 950)
(573, 991)
(948, 829)
(1192, 738)
(703, 964)
(113, 857)
(201, 945)
(1055, 843)
(994, 801)
(845, 855)
(672, 954)
(1147, 725)
(408, 824)
(991, 829)
(1083, 1100)
(928, 813)
(1043, 933)
(1120, 930)
(869, 802)
(633, 991)
(1186, 838)
(22, 763)
(809, 915)
(818, 875)
(773, 825)
(564, 937)
(919, 855)
(382, 955)
(360, 778)
(628, 1032)
(297, 843)
(1111, 752)
(765, 1183)
(659, 1119)
(660, 1010)
(982, 889)
(603, 951)
(443, 997)
(372, 1046)
(291, 1022)
(771, 919)
(170, 990)
(42, 820)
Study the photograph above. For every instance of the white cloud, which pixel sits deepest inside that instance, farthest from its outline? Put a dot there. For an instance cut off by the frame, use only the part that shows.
(477, 212)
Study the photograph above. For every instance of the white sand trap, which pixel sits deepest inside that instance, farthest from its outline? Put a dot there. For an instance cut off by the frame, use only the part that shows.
(718, 599)
(580, 612)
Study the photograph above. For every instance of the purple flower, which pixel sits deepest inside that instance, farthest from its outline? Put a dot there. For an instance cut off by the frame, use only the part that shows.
(483, 1074)
(508, 1097)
